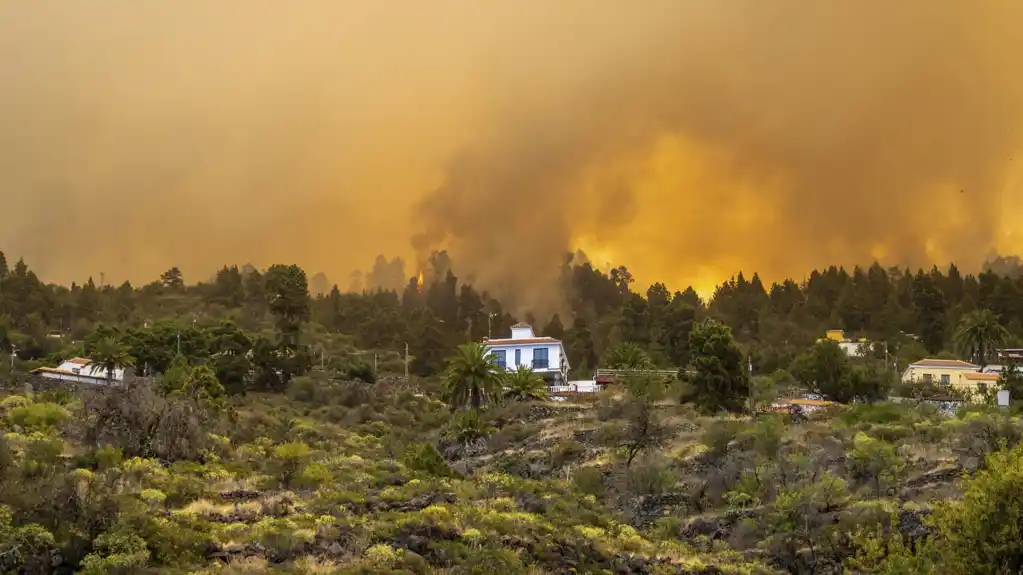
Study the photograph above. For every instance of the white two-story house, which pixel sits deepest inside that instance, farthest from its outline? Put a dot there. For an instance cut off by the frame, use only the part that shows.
(544, 355)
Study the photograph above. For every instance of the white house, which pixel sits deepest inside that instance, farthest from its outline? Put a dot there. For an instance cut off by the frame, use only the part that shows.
(79, 370)
(544, 355)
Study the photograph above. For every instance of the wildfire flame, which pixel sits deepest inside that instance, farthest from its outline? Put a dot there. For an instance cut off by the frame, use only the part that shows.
(419, 279)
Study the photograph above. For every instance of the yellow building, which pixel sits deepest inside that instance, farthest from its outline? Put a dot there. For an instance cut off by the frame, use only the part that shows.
(939, 371)
(973, 383)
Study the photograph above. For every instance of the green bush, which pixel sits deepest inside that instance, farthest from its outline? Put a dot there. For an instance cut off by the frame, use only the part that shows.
(589, 480)
(469, 426)
(566, 452)
(291, 459)
(650, 475)
(511, 434)
(39, 416)
(424, 457)
(362, 371)
(877, 413)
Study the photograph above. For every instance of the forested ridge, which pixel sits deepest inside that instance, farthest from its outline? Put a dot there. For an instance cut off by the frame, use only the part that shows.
(267, 430)
(602, 308)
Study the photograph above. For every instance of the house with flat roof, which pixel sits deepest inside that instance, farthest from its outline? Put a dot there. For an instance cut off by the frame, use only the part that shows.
(79, 370)
(544, 355)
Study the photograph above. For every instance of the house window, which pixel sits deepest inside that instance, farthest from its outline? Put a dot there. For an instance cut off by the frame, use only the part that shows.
(946, 379)
(518, 357)
(499, 357)
(540, 360)
(928, 378)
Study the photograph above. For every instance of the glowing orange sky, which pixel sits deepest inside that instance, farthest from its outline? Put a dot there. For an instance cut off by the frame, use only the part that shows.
(687, 139)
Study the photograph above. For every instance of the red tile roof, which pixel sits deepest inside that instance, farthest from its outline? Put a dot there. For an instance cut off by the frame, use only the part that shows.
(983, 376)
(944, 363)
(52, 370)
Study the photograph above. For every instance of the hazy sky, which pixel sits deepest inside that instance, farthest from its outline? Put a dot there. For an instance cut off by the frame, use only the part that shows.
(687, 139)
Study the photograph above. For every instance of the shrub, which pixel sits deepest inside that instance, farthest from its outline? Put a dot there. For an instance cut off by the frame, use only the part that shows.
(589, 480)
(39, 416)
(362, 371)
(877, 413)
(116, 553)
(469, 426)
(291, 459)
(650, 476)
(511, 434)
(424, 457)
(874, 460)
(566, 452)
(303, 388)
(108, 457)
(384, 556)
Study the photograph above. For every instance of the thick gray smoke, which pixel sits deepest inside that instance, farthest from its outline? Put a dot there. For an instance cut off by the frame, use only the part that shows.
(685, 138)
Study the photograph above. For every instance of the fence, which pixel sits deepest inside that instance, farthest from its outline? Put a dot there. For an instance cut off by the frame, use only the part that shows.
(612, 374)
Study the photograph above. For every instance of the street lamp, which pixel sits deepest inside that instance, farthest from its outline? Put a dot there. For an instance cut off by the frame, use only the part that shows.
(490, 316)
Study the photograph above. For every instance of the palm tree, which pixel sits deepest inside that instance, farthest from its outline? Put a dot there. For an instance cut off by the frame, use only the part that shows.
(978, 333)
(472, 377)
(524, 384)
(107, 355)
(628, 356)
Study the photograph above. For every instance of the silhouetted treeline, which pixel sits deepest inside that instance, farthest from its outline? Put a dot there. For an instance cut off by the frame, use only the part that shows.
(601, 308)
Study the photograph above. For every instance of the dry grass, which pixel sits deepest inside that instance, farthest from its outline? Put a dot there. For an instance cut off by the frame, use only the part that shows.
(246, 566)
(310, 565)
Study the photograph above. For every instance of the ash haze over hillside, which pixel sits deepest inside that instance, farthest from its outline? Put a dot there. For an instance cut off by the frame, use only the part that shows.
(685, 138)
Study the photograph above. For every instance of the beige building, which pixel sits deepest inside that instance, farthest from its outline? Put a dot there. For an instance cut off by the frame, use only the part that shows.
(948, 372)
(974, 383)
(940, 371)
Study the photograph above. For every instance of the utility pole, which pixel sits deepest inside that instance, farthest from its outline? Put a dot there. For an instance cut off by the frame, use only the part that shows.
(179, 343)
(406, 362)
(749, 369)
(490, 316)
(102, 279)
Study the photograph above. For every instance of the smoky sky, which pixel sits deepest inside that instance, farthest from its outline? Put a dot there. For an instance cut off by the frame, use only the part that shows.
(687, 139)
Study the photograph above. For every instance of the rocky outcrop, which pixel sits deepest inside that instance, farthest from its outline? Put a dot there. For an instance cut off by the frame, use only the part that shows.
(646, 509)
(913, 528)
(375, 505)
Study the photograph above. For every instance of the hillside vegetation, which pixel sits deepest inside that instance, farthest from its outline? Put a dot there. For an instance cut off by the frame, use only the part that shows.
(266, 431)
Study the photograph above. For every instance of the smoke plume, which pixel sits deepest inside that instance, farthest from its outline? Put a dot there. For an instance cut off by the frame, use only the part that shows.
(687, 139)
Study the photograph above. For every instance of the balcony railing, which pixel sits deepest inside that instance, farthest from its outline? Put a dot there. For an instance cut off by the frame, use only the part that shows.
(541, 364)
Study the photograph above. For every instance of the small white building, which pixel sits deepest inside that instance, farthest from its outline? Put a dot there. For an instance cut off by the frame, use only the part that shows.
(79, 370)
(544, 355)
